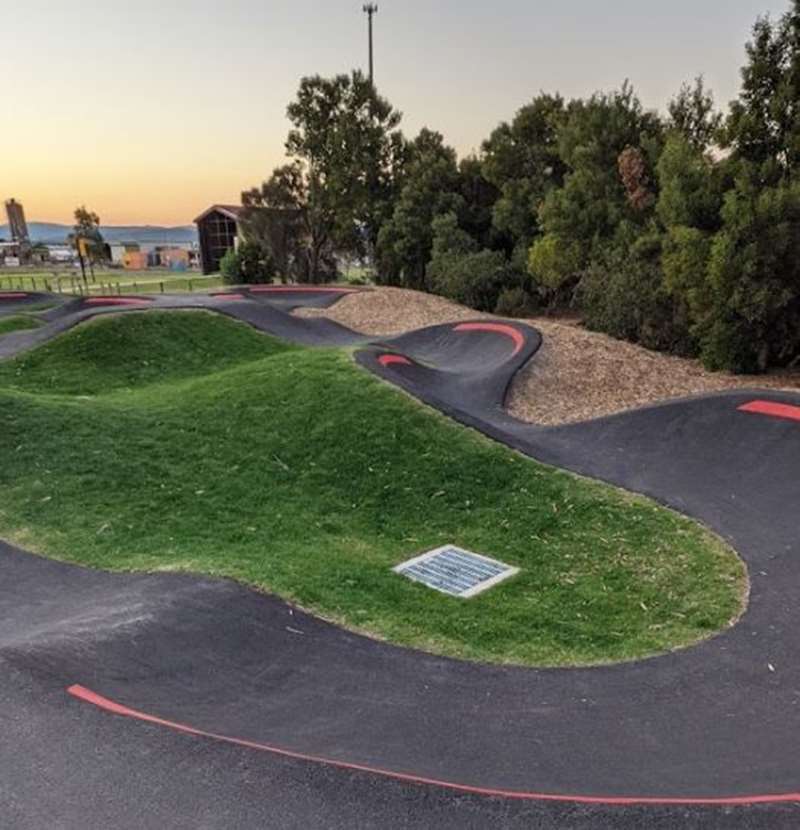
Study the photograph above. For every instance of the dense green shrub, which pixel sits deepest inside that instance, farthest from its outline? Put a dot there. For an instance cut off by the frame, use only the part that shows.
(728, 345)
(450, 239)
(740, 284)
(553, 261)
(430, 189)
(522, 160)
(622, 293)
(731, 227)
(754, 278)
(597, 140)
(516, 302)
(684, 261)
(690, 186)
(230, 267)
(249, 264)
(475, 280)
(256, 263)
(460, 272)
(357, 279)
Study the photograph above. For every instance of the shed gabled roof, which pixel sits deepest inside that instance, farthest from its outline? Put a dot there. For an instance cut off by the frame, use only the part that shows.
(231, 211)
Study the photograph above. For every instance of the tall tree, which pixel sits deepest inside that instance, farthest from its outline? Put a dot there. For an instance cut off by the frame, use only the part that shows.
(480, 197)
(764, 123)
(431, 188)
(588, 210)
(346, 136)
(691, 185)
(754, 277)
(692, 114)
(294, 217)
(87, 224)
(691, 191)
(522, 160)
(732, 246)
(87, 227)
(338, 189)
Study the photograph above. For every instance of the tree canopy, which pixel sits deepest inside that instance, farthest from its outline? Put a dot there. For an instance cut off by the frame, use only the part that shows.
(679, 231)
(87, 228)
(764, 123)
(338, 188)
(430, 188)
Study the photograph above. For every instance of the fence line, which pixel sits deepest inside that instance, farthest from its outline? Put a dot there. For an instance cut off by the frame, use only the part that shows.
(72, 283)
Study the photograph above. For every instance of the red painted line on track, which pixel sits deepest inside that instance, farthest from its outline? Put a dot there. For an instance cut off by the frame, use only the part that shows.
(13, 295)
(773, 409)
(498, 328)
(115, 301)
(300, 289)
(107, 705)
(393, 359)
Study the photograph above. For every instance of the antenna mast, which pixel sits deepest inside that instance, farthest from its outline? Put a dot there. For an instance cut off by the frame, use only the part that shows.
(371, 9)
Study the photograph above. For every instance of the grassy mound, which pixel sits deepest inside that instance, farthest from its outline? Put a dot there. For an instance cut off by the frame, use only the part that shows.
(113, 353)
(210, 448)
(17, 322)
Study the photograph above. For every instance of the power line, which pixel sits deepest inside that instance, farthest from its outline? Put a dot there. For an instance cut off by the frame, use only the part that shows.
(371, 9)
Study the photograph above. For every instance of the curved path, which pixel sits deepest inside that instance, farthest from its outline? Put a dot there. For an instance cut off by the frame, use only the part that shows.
(714, 725)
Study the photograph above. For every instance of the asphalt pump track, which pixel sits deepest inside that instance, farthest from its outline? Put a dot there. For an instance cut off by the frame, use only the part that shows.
(225, 707)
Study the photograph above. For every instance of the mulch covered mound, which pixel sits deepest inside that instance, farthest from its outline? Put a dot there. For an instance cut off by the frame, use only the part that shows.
(577, 374)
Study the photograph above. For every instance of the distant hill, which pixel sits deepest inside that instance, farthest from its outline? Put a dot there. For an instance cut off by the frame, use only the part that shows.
(146, 234)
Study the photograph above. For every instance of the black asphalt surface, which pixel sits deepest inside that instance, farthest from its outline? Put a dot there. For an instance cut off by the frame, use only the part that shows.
(264, 311)
(12, 302)
(719, 721)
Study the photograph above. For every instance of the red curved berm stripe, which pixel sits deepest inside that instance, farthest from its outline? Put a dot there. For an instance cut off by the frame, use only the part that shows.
(95, 699)
(773, 409)
(393, 359)
(13, 295)
(498, 328)
(300, 289)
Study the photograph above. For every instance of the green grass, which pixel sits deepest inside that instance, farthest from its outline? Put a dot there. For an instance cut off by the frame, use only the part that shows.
(68, 281)
(189, 442)
(135, 350)
(151, 282)
(17, 322)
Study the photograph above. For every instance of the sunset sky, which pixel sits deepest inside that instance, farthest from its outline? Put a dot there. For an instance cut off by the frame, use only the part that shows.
(150, 111)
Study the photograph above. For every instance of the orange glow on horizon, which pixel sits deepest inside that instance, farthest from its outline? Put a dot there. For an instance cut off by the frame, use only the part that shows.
(149, 112)
(158, 193)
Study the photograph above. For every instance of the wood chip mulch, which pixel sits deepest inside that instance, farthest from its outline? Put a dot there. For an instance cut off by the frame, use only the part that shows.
(576, 375)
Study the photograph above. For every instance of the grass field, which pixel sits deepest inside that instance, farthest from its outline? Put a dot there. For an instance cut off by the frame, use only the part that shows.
(17, 322)
(189, 442)
(107, 281)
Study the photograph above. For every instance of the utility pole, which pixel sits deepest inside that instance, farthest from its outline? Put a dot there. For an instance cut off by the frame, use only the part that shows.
(371, 9)
(80, 242)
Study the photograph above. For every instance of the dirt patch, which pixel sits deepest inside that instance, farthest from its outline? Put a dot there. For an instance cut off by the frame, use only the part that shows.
(576, 375)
